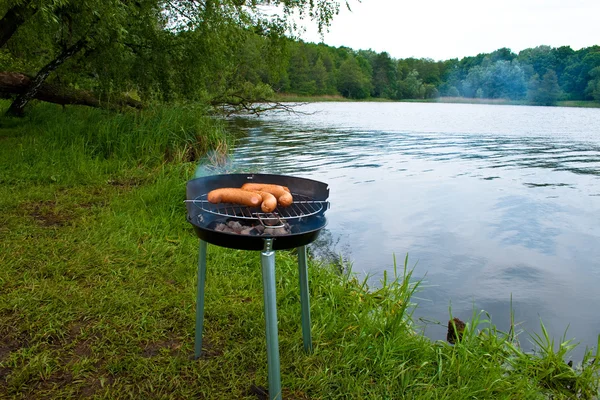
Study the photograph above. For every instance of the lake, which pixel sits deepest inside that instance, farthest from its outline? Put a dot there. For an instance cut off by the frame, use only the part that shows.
(490, 202)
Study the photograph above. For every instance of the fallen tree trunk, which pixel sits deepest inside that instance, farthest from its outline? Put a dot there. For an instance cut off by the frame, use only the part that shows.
(14, 83)
(17, 108)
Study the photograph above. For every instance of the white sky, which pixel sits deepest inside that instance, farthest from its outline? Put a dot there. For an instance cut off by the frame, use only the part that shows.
(447, 29)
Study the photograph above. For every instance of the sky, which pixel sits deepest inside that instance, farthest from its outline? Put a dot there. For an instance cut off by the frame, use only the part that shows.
(441, 30)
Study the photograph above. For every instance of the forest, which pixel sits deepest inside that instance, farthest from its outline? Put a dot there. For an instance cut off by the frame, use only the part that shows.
(540, 75)
(234, 54)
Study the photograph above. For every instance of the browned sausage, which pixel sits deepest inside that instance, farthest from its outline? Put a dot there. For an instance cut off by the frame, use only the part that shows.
(235, 196)
(284, 197)
(261, 186)
(269, 202)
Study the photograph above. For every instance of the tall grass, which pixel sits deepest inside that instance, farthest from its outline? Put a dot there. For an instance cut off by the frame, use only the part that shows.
(97, 291)
(75, 140)
(579, 103)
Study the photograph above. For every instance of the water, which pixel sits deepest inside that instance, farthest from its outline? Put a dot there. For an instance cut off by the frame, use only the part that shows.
(490, 202)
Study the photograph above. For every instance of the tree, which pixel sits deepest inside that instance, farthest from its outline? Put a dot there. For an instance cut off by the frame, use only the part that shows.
(576, 75)
(545, 91)
(384, 76)
(65, 29)
(503, 54)
(452, 92)
(352, 81)
(593, 88)
(473, 81)
(411, 87)
(505, 79)
(319, 73)
(541, 58)
(562, 56)
(299, 70)
(76, 38)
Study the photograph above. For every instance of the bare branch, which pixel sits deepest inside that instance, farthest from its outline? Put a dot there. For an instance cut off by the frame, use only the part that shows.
(236, 103)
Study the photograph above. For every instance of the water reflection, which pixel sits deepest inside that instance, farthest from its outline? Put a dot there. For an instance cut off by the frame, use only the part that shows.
(491, 201)
(523, 222)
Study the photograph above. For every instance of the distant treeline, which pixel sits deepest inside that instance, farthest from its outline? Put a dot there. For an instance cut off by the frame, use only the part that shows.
(540, 75)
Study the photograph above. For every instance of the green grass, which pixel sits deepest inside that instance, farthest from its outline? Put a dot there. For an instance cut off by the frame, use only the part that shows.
(98, 278)
(579, 103)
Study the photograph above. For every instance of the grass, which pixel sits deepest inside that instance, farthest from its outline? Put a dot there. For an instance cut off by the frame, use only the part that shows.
(579, 103)
(97, 287)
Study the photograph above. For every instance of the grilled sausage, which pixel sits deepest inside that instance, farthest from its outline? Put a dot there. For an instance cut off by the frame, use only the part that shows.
(269, 202)
(262, 186)
(236, 196)
(282, 193)
(285, 199)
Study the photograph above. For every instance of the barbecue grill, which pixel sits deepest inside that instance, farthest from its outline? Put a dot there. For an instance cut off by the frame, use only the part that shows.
(248, 228)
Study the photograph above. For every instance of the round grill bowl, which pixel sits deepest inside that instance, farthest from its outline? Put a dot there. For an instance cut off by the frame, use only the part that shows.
(304, 230)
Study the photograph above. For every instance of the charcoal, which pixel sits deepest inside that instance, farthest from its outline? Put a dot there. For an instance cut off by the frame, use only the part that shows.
(235, 225)
(271, 220)
(220, 227)
(276, 231)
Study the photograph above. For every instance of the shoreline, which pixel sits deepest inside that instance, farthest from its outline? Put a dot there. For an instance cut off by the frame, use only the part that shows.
(291, 98)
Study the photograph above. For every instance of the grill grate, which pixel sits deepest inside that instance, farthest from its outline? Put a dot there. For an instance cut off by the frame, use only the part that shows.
(303, 206)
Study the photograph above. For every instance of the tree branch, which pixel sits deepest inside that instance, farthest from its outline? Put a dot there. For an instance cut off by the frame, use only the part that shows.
(237, 103)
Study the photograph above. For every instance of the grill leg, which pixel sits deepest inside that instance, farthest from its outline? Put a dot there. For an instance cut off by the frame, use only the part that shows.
(200, 298)
(268, 273)
(304, 299)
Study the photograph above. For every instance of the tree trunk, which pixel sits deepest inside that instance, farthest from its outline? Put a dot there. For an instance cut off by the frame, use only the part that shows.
(17, 108)
(15, 83)
(14, 18)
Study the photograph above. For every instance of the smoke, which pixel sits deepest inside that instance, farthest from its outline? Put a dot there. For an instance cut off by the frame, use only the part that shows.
(500, 79)
(215, 162)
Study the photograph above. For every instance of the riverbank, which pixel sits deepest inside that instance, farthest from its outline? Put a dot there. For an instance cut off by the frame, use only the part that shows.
(294, 98)
(563, 103)
(454, 100)
(98, 287)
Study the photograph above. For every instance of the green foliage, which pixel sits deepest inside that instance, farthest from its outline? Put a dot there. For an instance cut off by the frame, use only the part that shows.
(411, 87)
(546, 91)
(384, 76)
(497, 75)
(352, 82)
(593, 88)
(174, 50)
(187, 50)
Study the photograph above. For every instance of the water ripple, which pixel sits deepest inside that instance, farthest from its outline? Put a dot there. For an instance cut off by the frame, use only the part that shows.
(492, 201)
